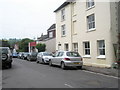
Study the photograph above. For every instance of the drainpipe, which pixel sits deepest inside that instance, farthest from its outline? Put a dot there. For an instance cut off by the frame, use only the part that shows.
(118, 50)
(71, 27)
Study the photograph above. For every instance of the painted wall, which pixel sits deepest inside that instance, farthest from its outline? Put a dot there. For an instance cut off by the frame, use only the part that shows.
(105, 21)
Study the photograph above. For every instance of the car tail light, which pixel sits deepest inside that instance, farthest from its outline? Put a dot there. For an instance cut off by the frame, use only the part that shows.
(66, 59)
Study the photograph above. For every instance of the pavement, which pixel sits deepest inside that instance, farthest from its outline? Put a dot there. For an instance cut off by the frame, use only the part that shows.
(106, 71)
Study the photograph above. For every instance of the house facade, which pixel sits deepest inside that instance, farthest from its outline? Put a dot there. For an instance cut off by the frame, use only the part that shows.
(49, 39)
(90, 28)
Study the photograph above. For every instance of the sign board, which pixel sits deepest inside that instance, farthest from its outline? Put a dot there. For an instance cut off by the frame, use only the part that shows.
(32, 44)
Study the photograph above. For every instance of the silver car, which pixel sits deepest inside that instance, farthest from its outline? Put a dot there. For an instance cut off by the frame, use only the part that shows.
(67, 58)
(44, 57)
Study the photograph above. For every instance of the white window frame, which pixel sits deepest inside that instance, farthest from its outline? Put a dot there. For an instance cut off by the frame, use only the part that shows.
(91, 22)
(75, 47)
(90, 4)
(62, 14)
(63, 30)
(66, 48)
(101, 48)
(86, 48)
(74, 8)
(50, 34)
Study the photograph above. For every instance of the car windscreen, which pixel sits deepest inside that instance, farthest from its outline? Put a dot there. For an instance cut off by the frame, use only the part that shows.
(47, 54)
(72, 54)
(25, 53)
(3, 50)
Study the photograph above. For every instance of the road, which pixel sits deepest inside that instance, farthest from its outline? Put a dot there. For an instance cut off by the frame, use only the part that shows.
(25, 74)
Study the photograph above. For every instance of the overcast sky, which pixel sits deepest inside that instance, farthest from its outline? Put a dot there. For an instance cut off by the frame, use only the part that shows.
(26, 18)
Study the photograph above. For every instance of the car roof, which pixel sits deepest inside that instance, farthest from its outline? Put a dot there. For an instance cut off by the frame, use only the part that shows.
(65, 51)
(4, 47)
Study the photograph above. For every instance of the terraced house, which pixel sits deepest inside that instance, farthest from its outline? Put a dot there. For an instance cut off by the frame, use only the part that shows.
(91, 28)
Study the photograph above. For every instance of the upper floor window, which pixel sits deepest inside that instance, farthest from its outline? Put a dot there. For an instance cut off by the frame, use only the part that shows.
(50, 34)
(63, 14)
(101, 47)
(91, 22)
(86, 48)
(90, 3)
(74, 8)
(63, 30)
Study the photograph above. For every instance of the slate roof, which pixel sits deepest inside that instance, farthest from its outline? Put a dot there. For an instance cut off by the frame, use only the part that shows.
(43, 37)
(64, 4)
(52, 27)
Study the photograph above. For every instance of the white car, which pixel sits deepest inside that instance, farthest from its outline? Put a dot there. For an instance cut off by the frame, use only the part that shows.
(44, 57)
(67, 59)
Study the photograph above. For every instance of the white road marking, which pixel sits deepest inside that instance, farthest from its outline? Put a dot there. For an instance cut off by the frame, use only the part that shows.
(69, 85)
(101, 74)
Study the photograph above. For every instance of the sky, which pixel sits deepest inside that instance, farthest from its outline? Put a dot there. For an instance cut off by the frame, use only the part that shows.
(26, 18)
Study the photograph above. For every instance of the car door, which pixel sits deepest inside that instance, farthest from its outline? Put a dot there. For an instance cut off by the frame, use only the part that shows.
(38, 56)
(54, 59)
(41, 54)
(59, 58)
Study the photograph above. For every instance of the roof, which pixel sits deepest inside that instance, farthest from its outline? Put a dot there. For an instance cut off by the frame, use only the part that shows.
(43, 37)
(64, 4)
(52, 27)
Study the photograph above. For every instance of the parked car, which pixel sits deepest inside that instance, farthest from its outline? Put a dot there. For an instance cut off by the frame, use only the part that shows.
(24, 55)
(15, 55)
(44, 57)
(6, 57)
(20, 55)
(32, 56)
(67, 59)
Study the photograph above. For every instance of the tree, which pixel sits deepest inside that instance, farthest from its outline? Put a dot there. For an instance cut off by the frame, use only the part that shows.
(23, 44)
(4, 43)
(41, 47)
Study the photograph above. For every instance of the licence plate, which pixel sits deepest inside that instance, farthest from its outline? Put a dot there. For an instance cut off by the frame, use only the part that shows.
(76, 63)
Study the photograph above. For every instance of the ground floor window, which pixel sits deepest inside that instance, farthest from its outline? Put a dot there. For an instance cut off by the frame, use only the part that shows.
(75, 47)
(86, 48)
(66, 47)
(101, 47)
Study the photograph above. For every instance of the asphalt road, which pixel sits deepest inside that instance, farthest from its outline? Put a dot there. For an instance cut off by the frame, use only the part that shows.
(25, 74)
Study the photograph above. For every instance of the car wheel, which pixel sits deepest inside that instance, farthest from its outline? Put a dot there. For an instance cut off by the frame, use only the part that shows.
(37, 61)
(9, 65)
(50, 63)
(79, 67)
(62, 65)
(43, 61)
(29, 59)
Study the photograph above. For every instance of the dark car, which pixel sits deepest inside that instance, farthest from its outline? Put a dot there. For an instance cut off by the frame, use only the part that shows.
(6, 57)
(32, 56)
(24, 55)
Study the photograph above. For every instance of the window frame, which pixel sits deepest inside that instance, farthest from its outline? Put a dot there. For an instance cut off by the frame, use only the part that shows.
(90, 4)
(63, 30)
(66, 49)
(101, 48)
(63, 14)
(91, 22)
(50, 34)
(75, 47)
(88, 48)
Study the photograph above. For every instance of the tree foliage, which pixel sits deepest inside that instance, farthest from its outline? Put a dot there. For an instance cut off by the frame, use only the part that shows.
(23, 45)
(4, 43)
(41, 47)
